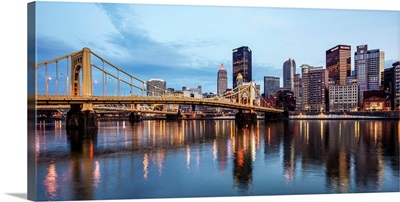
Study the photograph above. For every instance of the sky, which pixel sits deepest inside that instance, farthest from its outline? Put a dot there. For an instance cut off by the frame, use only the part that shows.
(186, 44)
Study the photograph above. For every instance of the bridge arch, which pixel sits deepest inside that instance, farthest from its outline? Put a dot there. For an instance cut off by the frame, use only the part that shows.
(76, 81)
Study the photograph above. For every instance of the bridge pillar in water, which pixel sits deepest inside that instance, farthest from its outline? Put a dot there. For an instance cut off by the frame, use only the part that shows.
(81, 116)
(78, 119)
(247, 116)
(174, 116)
(135, 117)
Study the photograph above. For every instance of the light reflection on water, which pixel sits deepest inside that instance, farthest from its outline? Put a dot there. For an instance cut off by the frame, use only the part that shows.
(153, 159)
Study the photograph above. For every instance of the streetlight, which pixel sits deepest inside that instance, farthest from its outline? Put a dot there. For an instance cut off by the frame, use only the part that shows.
(48, 79)
(94, 82)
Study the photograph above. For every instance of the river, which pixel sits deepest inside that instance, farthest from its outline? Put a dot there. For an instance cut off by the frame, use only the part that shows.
(212, 158)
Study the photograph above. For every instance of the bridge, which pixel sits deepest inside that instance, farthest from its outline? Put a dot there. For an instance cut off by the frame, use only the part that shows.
(79, 72)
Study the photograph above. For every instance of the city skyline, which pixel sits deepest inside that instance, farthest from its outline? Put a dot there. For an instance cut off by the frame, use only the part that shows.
(131, 37)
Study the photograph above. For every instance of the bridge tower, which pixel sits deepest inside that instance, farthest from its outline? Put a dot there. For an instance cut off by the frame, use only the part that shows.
(81, 116)
(246, 95)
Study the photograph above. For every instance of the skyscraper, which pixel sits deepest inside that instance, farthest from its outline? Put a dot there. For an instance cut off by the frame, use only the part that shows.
(241, 63)
(271, 85)
(368, 65)
(297, 90)
(391, 84)
(156, 87)
(289, 70)
(338, 63)
(396, 86)
(222, 80)
(315, 88)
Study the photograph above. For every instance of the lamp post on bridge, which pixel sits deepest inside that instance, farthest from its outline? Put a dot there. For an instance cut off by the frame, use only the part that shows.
(94, 82)
(48, 79)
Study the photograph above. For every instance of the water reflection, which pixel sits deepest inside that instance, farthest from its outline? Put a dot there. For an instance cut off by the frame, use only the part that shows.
(353, 154)
(85, 171)
(242, 152)
(184, 158)
(51, 182)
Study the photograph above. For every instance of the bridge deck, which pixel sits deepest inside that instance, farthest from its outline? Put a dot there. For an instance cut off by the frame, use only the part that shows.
(62, 100)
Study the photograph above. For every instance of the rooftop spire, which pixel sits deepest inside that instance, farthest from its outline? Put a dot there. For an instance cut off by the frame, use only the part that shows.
(222, 67)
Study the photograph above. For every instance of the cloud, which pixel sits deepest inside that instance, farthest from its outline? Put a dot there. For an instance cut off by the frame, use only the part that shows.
(76, 24)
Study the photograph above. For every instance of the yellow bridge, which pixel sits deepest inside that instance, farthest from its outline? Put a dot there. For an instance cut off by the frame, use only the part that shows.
(133, 100)
(77, 80)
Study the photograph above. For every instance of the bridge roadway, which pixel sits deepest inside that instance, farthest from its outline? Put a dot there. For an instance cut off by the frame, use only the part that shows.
(106, 109)
(136, 99)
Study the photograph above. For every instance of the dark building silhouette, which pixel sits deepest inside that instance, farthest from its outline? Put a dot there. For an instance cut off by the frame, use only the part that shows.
(390, 83)
(241, 63)
(285, 99)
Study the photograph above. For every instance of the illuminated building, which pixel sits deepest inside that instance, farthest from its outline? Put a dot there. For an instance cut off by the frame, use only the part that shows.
(241, 61)
(289, 70)
(271, 85)
(156, 87)
(222, 80)
(338, 63)
(375, 100)
(368, 65)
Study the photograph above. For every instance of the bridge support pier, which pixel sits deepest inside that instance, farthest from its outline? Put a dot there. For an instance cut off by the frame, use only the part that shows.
(245, 117)
(78, 119)
(135, 117)
(270, 116)
(172, 117)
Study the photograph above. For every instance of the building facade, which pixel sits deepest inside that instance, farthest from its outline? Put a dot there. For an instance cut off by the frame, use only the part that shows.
(289, 70)
(396, 91)
(156, 87)
(241, 63)
(343, 98)
(271, 85)
(285, 99)
(376, 100)
(368, 66)
(192, 92)
(315, 89)
(297, 91)
(222, 80)
(338, 63)
(391, 84)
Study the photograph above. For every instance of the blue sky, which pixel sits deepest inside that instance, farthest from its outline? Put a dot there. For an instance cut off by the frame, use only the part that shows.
(185, 45)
